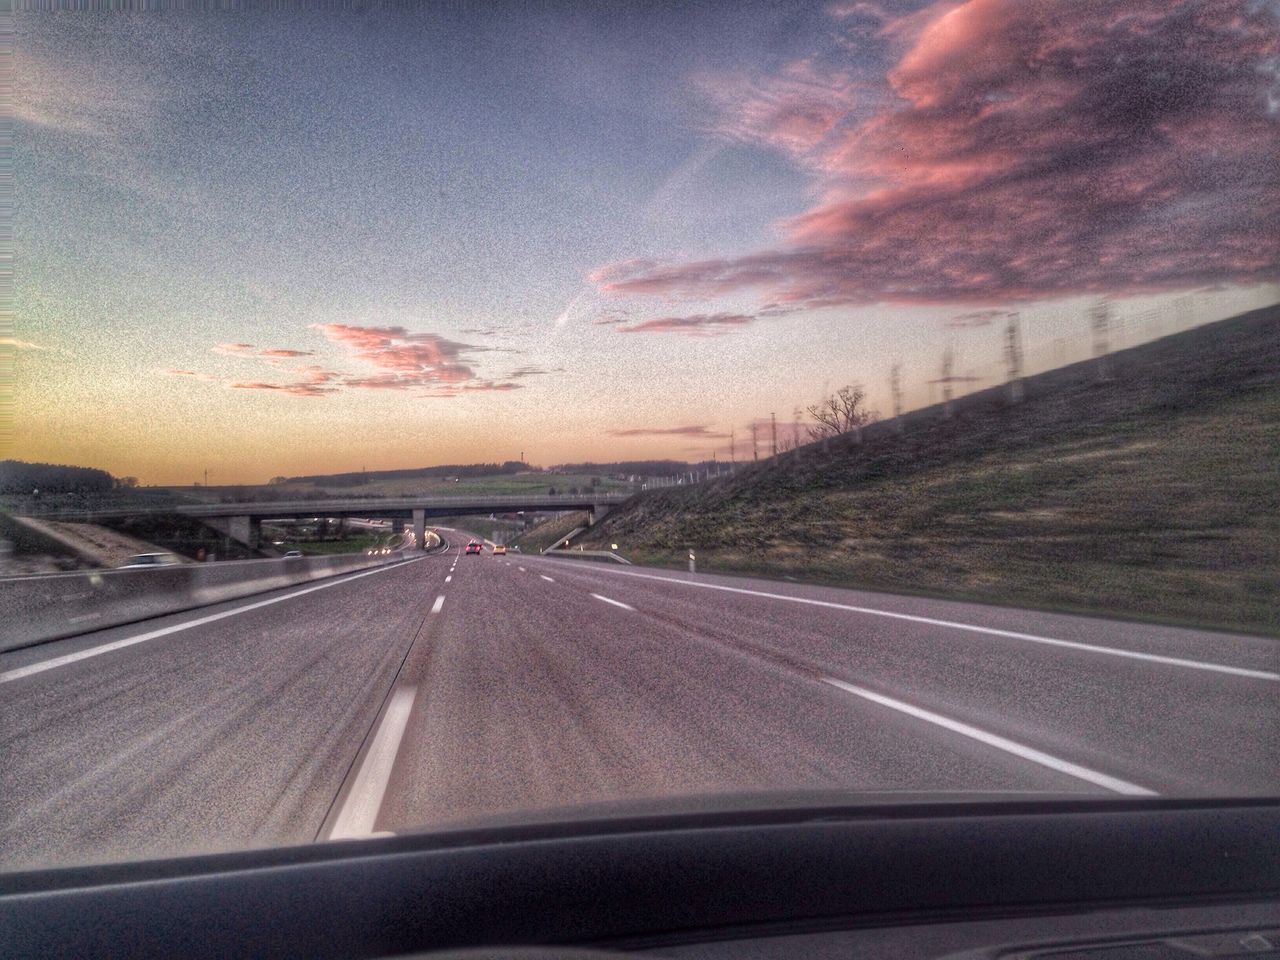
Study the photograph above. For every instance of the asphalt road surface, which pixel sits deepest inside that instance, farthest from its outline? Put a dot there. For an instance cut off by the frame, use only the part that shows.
(451, 688)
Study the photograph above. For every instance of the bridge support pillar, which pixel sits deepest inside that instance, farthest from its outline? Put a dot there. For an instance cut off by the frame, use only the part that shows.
(244, 530)
(420, 528)
(597, 513)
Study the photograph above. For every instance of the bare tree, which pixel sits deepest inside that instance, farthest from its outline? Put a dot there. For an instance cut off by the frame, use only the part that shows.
(845, 411)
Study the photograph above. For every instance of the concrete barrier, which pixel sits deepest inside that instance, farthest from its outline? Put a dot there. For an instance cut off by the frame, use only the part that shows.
(54, 605)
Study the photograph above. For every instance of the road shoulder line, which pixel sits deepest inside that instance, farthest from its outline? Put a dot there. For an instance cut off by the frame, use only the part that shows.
(956, 625)
(1114, 784)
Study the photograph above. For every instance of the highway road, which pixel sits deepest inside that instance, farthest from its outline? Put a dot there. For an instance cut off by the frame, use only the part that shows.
(451, 688)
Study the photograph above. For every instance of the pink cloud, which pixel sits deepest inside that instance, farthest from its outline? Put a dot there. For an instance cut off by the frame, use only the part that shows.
(793, 111)
(488, 385)
(1027, 149)
(293, 389)
(697, 325)
(402, 361)
(413, 359)
(315, 374)
(285, 354)
(521, 373)
(860, 8)
(699, 430)
(480, 386)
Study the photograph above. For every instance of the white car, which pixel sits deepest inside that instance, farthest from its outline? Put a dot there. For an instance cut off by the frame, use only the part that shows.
(139, 560)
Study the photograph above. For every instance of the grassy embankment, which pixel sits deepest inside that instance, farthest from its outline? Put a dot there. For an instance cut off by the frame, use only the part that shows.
(352, 544)
(1151, 495)
(536, 539)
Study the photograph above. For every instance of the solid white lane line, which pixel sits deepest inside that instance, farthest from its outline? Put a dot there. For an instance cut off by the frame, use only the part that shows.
(435, 607)
(546, 578)
(1000, 743)
(616, 603)
(360, 810)
(62, 661)
(954, 625)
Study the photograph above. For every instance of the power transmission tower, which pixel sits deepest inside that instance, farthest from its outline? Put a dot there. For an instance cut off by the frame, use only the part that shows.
(755, 450)
(733, 453)
(1100, 323)
(1013, 357)
(773, 430)
(895, 388)
(948, 364)
(795, 428)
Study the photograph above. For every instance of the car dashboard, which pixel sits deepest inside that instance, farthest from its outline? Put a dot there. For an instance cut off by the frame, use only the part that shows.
(1147, 879)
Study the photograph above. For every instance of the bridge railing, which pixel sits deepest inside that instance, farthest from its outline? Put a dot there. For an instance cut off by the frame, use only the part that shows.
(345, 505)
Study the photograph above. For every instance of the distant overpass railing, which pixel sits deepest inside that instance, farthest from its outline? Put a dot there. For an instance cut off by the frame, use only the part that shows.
(357, 506)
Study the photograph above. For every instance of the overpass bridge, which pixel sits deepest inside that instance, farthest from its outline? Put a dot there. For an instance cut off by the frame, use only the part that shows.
(242, 521)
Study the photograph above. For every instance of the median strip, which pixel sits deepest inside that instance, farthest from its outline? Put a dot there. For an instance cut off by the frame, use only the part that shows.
(1111, 783)
(360, 810)
(34, 668)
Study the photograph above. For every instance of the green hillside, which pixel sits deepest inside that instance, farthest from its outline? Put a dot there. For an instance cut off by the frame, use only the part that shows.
(1154, 494)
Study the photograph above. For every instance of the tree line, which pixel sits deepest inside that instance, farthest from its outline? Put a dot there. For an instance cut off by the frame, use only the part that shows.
(360, 478)
(19, 477)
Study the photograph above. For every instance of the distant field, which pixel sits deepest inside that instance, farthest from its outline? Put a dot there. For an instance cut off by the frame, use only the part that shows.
(1153, 495)
(349, 545)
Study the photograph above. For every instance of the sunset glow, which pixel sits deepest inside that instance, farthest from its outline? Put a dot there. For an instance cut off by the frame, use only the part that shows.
(260, 244)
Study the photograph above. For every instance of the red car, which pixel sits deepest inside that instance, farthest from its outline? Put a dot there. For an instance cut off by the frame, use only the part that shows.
(475, 547)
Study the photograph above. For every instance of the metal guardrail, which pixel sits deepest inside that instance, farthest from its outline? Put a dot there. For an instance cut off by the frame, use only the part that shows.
(565, 539)
(589, 554)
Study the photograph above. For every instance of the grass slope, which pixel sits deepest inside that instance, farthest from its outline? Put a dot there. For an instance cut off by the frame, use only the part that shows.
(1152, 495)
(550, 531)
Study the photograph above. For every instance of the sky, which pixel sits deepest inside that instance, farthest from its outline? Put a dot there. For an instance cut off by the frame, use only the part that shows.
(308, 241)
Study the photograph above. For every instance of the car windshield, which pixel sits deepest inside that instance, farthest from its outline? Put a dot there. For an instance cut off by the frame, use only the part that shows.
(658, 406)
